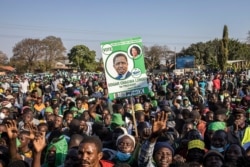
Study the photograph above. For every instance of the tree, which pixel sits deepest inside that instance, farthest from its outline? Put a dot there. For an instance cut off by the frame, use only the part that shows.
(205, 53)
(3, 58)
(53, 50)
(28, 51)
(83, 58)
(223, 56)
(248, 38)
(238, 50)
(153, 55)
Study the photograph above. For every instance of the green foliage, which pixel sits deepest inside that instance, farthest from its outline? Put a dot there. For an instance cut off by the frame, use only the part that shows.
(238, 50)
(223, 56)
(210, 52)
(205, 53)
(83, 58)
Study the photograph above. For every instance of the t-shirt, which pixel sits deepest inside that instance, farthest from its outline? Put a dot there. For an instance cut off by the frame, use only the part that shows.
(24, 86)
(15, 87)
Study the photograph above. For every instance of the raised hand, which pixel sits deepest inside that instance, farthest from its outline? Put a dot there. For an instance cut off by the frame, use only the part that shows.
(12, 130)
(158, 125)
(32, 129)
(39, 142)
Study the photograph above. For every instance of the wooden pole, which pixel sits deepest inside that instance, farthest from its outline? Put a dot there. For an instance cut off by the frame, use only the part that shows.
(133, 114)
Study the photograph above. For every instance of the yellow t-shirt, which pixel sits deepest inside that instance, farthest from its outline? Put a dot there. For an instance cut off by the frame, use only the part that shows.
(39, 108)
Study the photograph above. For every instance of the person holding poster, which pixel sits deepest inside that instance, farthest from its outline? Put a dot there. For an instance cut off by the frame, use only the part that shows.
(120, 63)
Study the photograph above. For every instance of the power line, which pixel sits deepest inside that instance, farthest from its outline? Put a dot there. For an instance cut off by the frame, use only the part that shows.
(96, 32)
(91, 40)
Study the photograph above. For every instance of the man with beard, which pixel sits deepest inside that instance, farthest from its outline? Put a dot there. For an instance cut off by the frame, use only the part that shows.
(90, 153)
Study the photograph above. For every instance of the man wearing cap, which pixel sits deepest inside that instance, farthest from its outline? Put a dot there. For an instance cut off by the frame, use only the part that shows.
(196, 151)
(186, 104)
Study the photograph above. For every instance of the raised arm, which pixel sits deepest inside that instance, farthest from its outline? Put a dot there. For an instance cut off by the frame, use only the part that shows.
(39, 143)
(12, 132)
(92, 110)
(147, 148)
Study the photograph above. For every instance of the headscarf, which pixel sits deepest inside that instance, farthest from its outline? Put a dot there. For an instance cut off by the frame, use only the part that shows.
(61, 150)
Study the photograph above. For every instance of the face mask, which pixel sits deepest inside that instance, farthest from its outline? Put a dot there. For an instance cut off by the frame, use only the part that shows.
(123, 156)
(2, 115)
(219, 149)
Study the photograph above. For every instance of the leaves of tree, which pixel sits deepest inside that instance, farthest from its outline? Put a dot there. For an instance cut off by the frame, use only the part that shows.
(83, 58)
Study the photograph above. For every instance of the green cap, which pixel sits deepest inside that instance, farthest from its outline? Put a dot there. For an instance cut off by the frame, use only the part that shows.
(214, 126)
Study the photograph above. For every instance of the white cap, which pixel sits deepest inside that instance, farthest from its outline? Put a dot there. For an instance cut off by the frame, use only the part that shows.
(179, 97)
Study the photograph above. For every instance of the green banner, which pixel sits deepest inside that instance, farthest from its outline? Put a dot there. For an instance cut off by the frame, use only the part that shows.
(124, 68)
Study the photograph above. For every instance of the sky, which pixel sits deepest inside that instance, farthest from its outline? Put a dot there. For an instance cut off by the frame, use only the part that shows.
(173, 23)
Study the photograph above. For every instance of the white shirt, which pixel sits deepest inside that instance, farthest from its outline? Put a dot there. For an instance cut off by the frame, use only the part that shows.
(24, 86)
(5, 86)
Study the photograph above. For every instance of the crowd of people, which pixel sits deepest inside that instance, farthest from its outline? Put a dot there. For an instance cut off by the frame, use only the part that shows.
(185, 121)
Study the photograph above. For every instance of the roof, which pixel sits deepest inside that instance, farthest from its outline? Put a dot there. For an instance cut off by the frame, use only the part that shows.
(234, 61)
(7, 68)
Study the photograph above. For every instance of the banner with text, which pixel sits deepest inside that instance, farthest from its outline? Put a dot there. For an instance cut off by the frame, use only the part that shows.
(124, 68)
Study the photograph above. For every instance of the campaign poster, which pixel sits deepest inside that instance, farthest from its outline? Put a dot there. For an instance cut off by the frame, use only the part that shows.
(185, 62)
(124, 68)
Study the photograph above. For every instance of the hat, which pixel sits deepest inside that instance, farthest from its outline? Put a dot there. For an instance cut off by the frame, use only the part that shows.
(9, 97)
(213, 153)
(117, 119)
(218, 125)
(185, 98)
(48, 110)
(196, 144)
(164, 103)
(205, 111)
(69, 98)
(160, 145)
(151, 94)
(125, 135)
(138, 107)
(166, 109)
(73, 109)
(77, 92)
(179, 98)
